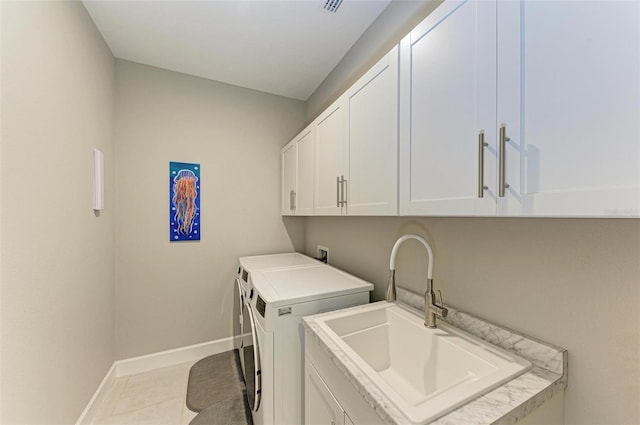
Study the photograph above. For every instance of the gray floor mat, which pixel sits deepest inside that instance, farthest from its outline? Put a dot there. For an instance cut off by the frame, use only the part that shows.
(232, 411)
(214, 379)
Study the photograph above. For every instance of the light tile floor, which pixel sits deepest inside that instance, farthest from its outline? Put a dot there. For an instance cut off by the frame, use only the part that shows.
(151, 398)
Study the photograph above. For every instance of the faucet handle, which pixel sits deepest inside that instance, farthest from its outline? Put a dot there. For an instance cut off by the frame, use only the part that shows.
(443, 310)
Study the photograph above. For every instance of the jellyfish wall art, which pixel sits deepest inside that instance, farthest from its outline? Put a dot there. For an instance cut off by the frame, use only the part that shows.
(184, 196)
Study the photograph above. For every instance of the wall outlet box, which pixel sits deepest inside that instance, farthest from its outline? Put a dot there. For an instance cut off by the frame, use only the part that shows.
(323, 254)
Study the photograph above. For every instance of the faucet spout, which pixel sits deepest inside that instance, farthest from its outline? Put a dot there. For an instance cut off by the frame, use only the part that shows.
(400, 241)
(432, 307)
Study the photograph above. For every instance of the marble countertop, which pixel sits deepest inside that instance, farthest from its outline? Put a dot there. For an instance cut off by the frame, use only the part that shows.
(506, 404)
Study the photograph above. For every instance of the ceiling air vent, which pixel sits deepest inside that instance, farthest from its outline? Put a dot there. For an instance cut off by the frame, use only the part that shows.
(332, 5)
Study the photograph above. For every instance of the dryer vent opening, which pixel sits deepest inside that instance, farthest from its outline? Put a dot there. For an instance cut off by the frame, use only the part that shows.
(332, 5)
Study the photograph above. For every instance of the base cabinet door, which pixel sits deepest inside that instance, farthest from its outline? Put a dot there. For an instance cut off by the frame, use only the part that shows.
(330, 398)
(321, 407)
(569, 99)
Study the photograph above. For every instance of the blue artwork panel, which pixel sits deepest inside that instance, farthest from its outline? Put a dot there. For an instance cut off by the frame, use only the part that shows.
(184, 201)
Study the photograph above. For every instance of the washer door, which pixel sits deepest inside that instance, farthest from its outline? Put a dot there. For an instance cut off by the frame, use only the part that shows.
(238, 324)
(251, 354)
(237, 312)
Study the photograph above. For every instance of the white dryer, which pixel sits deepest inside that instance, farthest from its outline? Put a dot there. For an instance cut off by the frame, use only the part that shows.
(281, 297)
(246, 266)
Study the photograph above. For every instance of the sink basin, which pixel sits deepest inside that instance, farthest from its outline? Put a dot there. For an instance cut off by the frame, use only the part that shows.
(425, 372)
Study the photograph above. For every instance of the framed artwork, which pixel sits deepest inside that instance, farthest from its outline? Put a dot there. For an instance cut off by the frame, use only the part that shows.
(184, 197)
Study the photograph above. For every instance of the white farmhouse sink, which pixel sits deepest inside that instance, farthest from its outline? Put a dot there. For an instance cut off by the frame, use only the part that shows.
(424, 372)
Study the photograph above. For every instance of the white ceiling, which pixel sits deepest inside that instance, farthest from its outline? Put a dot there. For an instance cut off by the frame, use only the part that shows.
(284, 47)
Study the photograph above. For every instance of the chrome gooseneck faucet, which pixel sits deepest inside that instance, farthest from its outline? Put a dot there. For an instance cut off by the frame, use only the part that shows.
(432, 307)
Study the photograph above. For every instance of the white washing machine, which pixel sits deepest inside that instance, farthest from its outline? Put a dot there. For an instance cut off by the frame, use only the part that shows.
(246, 266)
(281, 297)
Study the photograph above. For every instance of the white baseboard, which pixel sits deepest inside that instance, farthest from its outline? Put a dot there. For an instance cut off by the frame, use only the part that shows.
(176, 356)
(149, 362)
(89, 412)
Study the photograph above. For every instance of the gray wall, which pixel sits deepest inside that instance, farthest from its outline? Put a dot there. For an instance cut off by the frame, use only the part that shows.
(571, 282)
(171, 295)
(57, 258)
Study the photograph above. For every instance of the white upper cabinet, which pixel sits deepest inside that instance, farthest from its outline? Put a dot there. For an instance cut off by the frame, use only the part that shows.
(447, 108)
(553, 87)
(357, 146)
(289, 171)
(297, 174)
(330, 159)
(371, 187)
(569, 95)
(448, 88)
(305, 155)
(488, 107)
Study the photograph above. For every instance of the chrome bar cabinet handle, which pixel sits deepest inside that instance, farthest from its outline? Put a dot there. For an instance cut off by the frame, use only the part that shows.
(481, 145)
(502, 185)
(292, 199)
(343, 198)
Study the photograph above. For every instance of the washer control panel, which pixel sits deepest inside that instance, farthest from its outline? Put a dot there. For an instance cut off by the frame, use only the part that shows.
(261, 306)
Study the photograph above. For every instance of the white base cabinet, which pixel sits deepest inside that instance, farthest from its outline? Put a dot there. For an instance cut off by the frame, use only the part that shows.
(321, 407)
(330, 399)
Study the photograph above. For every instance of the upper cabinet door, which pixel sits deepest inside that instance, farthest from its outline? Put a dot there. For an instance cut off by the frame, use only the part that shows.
(331, 138)
(289, 171)
(447, 111)
(569, 97)
(372, 184)
(297, 174)
(304, 179)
